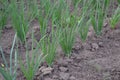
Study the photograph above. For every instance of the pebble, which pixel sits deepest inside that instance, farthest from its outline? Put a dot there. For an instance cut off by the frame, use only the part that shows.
(72, 78)
(48, 79)
(63, 69)
(95, 46)
(8, 26)
(62, 62)
(88, 47)
(76, 47)
(117, 45)
(105, 24)
(69, 60)
(75, 64)
(100, 44)
(55, 77)
(46, 71)
(64, 76)
(36, 28)
(41, 68)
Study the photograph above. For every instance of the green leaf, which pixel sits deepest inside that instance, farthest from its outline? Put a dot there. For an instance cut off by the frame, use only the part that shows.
(83, 29)
(118, 1)
(5, 74)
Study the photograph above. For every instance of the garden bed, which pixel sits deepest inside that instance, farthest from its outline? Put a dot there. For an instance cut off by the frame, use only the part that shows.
(96, 59)
(66, 40)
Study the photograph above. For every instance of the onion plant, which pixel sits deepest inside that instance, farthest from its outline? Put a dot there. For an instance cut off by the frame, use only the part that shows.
(84, 19)
(19, 20)
(42, 16)
(68, 26)
(47, 9)
(51, 17)
(67, 40)
(115, 18)
(99, 14)
(9, 71)
(48, 47)
(118, 1)
(31, 9)
(76, 2)
(50, 43)
(58, 8)
(32, 61)
(83, 28)
(3, 12)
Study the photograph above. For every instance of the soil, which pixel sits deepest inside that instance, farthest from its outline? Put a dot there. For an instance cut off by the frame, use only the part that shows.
(96, 59)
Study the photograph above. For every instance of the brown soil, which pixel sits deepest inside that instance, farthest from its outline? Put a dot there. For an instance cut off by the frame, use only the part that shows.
(96, 59)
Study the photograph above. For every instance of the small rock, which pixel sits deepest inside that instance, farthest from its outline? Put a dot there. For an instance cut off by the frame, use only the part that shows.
(69, 60)
(92, 49)
(55, 77)
(75, 64)
(117, 45)
(48, 79)
(76, 47)
(63, 69)
(41, 68)
(90, 32)
(95, 46)
(62, 62)
(46, 71)
(72, 78)
(105, 24)
(36, 28)
(8, 26)
(64, 76)
(37, 73)
(100, 44)
(87, 46)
